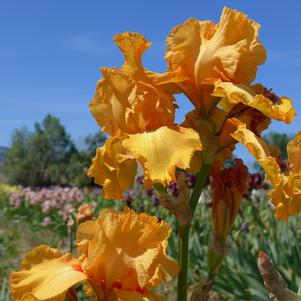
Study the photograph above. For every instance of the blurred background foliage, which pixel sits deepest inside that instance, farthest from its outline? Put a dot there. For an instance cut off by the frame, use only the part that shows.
(48, 156)
(255, 229)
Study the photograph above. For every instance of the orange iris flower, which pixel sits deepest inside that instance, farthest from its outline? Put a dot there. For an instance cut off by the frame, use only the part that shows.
(122, 255)
(214, 65)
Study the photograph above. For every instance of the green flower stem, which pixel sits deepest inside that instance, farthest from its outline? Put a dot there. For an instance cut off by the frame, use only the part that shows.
(183, 261)
(184, 232)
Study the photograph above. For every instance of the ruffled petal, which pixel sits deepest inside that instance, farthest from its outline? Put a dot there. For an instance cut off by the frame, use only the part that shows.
(45, 274)
(237, 93)
(294, 154)
(259, 150)
(123, 105)
(182, 49)
(133, 45)
(286, 196)
(113, 169)
(229, 51)
(162, 150)
(126, 250)
(234, 52)
(163, 269)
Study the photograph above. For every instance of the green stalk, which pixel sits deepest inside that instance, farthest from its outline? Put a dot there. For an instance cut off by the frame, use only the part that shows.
(184, 232)
(183, 261)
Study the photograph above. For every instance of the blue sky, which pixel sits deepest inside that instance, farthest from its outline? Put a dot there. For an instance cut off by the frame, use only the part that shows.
(51, 52)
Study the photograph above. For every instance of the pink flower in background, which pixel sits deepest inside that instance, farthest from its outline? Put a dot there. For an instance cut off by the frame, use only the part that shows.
(15, 199)
(59, 200)
(46, 221)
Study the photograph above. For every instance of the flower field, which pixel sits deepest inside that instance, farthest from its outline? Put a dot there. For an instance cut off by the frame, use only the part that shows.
(30, 217)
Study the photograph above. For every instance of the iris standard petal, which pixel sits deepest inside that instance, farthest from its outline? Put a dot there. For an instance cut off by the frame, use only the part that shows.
(122, 105)
(229, 50)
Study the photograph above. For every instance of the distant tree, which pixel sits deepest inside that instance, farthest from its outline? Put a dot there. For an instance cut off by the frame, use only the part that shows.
(16, 165)
(40, 158)
(48, 156)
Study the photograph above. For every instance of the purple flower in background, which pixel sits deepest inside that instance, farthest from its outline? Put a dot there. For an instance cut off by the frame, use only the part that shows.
(149, 192)
(173, 189)
(140, 180)
(190, 180)
(156, 201)
(255, 181)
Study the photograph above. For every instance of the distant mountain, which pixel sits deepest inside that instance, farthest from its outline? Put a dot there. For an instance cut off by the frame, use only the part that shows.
(3, 151)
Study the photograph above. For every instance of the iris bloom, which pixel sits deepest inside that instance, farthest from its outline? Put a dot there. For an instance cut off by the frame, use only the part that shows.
(139, 116)
(214, 65)
(122, 255)
(220, 63)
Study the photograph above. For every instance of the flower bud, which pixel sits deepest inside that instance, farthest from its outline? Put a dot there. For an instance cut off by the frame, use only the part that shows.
(229, 186)
(273, 280)
(202, 291)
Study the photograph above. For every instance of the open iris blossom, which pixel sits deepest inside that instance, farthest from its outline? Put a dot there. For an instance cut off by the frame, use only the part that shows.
(121, 256)
(214, 66)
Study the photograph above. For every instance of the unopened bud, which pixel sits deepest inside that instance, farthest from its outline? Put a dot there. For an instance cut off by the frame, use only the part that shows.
(229, 186)
(202, 291)
(273, 281)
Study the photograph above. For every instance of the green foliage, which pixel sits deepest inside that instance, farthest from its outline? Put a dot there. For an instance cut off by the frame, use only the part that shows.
(40, 158)
(255, 229)
(48, 156)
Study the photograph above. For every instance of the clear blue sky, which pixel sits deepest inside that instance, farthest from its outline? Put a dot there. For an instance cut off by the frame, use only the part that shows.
(51, 52)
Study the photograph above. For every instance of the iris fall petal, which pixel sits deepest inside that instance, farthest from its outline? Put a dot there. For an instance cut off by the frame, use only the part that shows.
(162, 150)
(45, 274)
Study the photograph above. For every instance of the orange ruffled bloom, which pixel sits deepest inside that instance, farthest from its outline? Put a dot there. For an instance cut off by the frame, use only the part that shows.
(214, 65)
(139, 115)
(122, 255)
(229, 186)
(220, 62)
